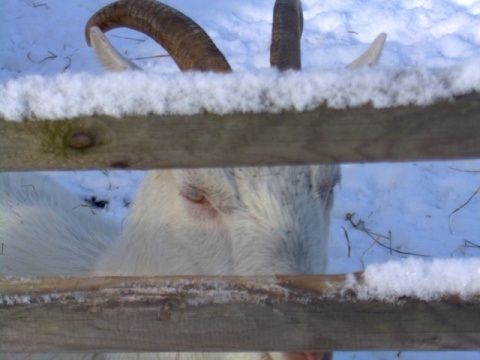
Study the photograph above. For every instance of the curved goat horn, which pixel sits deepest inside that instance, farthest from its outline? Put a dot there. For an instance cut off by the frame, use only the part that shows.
(188, 44)
(371, 55)
(286, 34)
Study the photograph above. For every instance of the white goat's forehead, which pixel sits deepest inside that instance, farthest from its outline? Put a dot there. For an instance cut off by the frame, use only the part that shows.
(284, 176)
(277, 179)
(286, 182)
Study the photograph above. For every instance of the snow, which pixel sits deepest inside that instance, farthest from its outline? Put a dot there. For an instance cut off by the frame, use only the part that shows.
(14, 300)
(135, 92)
(382, 211)
(420, 279)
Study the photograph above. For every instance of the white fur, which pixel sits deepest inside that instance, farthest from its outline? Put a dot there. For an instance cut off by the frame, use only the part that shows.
(46, 231)
(252, 221)
(243, 221)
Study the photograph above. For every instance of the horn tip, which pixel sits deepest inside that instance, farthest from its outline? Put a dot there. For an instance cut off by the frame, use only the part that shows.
(88, 31)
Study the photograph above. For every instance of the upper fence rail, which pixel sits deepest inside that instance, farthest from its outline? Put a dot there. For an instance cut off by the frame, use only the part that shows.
(445, 130)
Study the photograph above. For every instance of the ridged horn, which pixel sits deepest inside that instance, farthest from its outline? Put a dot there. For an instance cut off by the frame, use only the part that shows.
(286, 34)
(186, 42)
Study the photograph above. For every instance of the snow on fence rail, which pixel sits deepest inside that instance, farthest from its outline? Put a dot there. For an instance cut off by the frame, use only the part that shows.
(445, 130)
(331, 312)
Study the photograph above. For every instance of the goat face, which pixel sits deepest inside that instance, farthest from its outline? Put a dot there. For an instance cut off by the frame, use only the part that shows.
(241, 221)
(237, 221)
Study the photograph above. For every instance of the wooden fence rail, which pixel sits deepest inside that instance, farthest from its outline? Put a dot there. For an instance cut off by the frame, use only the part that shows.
(285, 313)
(232, 313)
(445, 130)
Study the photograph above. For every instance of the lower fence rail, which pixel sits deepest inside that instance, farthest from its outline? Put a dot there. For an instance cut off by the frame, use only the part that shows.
(276, 313)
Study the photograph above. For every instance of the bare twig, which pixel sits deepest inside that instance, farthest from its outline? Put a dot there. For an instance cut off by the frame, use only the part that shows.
(360, 225)
(29, 57)
(33, 188)
(349, 247)
(461, 207)
(34, 4)
(151, 57)
(470, 244)
(87, 206)
(68, 65)
(52, 56)
(128, 38)
(466, 171)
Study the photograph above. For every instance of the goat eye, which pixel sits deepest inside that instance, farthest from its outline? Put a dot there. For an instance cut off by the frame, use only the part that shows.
(194, 197)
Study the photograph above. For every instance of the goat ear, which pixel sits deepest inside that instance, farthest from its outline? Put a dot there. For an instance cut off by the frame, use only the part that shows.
(107, 54)
(371, 56)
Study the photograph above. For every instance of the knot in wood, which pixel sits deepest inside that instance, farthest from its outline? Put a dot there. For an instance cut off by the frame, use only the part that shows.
(81, 140)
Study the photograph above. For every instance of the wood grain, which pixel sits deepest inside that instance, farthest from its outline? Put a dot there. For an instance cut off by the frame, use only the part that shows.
(285, 313)
(445, 130)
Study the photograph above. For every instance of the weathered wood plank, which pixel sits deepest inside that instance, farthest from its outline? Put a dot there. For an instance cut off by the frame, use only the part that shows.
(314, 313)
(446, 130)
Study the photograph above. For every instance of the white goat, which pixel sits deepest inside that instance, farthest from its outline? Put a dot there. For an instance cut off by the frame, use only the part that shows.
(233, 221)
(46, 230)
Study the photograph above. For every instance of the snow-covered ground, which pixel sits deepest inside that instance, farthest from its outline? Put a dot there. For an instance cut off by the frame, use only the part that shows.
(382, 211)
